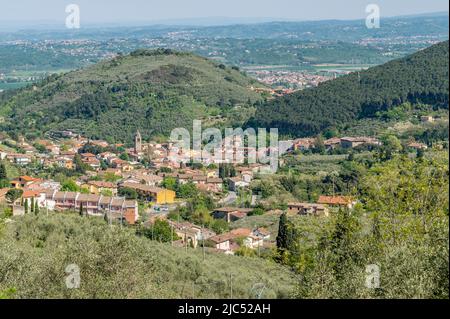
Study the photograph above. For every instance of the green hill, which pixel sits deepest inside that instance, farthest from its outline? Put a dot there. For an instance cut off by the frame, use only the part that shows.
(150, 90)
(115, 263)
(419, 78)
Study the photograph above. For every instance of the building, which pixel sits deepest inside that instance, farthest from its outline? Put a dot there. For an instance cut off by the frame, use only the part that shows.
(99, 187)
(427, 119)
(153, 194)
(337, 201)
(137, 143)
(308, 209)
(351, 142)
(24, 181)
(191, 234)
(417, 146)
(92, 204)
(230, 213)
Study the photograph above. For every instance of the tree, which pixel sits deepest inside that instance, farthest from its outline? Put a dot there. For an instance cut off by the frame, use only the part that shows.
(25, 206)
(124, 156)
(160, 231)
(170, 183)
(36, 208)
(319, 146)
(3, 173)
(80, 167)
(128, 193)
(32, 205)
(285, 236)
(13, 194)
(81, 210)
(391, 145)
(219, 226)
(70, 186)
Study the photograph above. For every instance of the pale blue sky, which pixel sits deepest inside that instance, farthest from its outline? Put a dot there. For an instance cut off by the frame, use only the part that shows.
(119, 11)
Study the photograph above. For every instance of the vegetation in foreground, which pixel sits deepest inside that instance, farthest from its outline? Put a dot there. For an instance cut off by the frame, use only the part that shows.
(115, 263)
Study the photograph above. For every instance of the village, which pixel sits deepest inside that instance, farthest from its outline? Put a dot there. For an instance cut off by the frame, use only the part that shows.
(138, 186)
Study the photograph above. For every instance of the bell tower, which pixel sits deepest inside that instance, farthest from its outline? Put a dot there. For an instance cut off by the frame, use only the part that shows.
(137, 142)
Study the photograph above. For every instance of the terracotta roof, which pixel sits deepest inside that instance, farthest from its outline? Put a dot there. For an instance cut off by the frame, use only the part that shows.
(240, 232)
(335, 200)
(220, 238)
(143, 187)
(102, 184)
(28, 178)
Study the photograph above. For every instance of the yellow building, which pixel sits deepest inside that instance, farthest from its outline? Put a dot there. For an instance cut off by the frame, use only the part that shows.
(154, 194)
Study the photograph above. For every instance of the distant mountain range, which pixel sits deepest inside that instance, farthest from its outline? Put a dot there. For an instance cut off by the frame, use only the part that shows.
(430, 24)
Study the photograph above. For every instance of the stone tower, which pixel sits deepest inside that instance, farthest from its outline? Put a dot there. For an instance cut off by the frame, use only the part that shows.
(137, 143)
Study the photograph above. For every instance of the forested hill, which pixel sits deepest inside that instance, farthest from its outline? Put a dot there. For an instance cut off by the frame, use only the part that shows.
(150, 90)
(420, 77)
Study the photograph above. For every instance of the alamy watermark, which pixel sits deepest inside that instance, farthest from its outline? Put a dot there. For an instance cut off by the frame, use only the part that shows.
(73, 19)
(372, 276)
(373, 18)
(73, 279)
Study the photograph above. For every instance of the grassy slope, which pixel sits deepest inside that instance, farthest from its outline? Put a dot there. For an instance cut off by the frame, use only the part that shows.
(114, 263)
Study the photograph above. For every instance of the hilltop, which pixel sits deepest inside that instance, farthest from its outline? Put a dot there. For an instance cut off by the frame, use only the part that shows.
(419, 78)
(151, 90)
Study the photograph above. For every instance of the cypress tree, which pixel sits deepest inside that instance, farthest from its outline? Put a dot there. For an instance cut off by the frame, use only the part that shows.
(25, 206)
(282, 237)
(81, 209)
(36, 207)
(32, 205)
(3, 174)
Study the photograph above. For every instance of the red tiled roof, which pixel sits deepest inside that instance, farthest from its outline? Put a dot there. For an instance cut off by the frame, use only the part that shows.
(335, 200)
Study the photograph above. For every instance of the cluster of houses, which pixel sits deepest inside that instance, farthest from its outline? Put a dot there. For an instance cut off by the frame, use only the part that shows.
(47, 195)
(303, 144)
(100, 186)
(321, 208)
(193, 236)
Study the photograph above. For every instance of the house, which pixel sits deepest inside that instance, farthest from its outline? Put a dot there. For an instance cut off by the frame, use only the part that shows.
(351, 142)
(221, 242)
(214, 184)
(417, 146)
(337, 201)
(302, 144)
(234, 183)
(262, 233)
(332, 143)
(147, 179)
(24, 181)
(92, 162)
(427, 119)
(92, 204)
(65, 162)
(154, 194)
(19, 159)
(98, 187)
(32, 196)
(249, 239)
(123, 165)
(191, 234)
(240, 236)
(230, 213)
(308, 209)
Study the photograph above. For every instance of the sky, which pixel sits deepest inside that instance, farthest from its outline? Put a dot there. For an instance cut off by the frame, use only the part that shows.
(153, 11)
